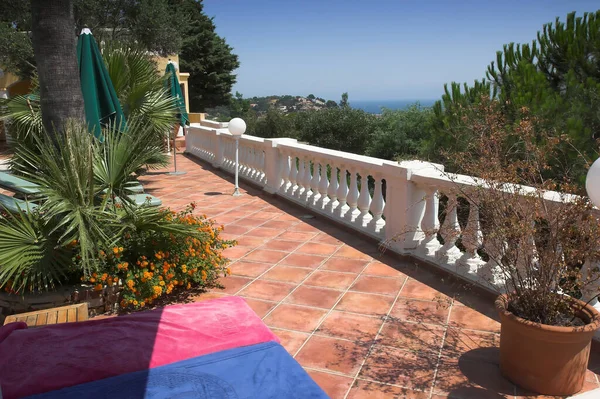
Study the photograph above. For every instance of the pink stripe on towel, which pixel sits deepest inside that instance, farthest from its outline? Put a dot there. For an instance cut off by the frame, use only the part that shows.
(42, 359)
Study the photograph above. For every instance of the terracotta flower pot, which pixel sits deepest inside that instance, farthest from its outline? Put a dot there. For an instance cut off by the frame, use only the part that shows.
(545, 359)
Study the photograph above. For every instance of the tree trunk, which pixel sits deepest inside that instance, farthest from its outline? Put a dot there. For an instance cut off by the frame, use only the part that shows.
(55, 49)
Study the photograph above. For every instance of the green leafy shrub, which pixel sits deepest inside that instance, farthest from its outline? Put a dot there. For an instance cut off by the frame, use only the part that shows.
(77, 216)
(150, 263)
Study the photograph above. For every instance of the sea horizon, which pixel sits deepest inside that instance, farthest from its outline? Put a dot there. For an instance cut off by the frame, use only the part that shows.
(375, 106)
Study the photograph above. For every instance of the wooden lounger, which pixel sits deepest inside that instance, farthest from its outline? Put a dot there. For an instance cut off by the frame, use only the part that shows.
(65, 314)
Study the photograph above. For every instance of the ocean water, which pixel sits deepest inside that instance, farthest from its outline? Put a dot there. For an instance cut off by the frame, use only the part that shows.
(375, 106)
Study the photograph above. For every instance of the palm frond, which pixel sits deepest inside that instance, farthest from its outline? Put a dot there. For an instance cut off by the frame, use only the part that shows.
(31, 256)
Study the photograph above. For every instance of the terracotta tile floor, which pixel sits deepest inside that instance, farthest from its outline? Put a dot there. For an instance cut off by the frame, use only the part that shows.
(364, 325)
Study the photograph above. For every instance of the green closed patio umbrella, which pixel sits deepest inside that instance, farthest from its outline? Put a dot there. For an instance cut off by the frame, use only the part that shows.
(100, 99)
(172, 84)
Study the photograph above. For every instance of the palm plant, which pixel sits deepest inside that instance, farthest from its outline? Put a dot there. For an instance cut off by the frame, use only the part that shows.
(140, 87)
(77, 213)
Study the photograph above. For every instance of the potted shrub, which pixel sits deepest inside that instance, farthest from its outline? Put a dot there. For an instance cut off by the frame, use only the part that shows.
(539, 247)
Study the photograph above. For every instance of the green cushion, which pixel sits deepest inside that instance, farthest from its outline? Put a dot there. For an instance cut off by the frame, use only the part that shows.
(18, 185)
(135, 187)
(14, 205)
(141, 199)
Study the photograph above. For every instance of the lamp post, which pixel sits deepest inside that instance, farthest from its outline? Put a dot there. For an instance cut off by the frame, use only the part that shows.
(592, 183)
(237, 127)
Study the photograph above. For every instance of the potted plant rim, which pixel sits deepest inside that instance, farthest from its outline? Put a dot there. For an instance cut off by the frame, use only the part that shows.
(540, 245)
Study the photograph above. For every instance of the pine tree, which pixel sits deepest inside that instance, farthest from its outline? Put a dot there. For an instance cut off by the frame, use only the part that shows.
(556, 77)
(207, 57)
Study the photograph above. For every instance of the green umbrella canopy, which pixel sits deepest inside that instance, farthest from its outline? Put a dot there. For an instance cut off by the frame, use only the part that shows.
(100, 99)
(172, 84)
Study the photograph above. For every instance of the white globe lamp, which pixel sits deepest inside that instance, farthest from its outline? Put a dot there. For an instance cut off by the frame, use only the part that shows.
(237, 127)
(592, 183)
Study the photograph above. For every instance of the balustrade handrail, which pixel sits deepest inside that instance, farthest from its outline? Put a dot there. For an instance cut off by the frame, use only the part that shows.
(403, 213)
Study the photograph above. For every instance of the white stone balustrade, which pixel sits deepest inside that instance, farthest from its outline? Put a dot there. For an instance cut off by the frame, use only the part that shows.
(401, 207)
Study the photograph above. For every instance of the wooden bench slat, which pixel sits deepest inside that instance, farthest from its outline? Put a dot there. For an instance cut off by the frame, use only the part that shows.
(71, 313)
(31, 320)
(62, 316)
(82, 313)
(42, 319)
(52, 316)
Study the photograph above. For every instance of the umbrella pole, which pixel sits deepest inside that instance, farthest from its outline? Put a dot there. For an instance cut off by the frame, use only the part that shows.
(175, 172)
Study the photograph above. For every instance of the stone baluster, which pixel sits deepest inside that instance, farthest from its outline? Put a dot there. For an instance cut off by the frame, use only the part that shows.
(364, 200)
(377, 224)
(314, 184)
(342, 193)
(285, 173)
(450, 231)
(323, 186)
(245, 160)
(219, 150)
(307, 194)
(472, 239)
(332, 190)
(352, 198)
(431, 224)
(293, 176)
(262, 166)
(491, 273)
(300, 179)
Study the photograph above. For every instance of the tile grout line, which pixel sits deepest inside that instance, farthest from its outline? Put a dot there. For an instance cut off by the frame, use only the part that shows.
(302, 282)
(375, 338)
(256, 248)
(332, 307)
(439, 357)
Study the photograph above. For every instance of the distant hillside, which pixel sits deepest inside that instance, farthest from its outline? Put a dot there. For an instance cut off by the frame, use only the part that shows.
(289, 103)
(259, 106)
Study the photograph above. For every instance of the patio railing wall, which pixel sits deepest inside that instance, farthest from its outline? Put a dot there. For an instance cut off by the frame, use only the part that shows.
(400, 205)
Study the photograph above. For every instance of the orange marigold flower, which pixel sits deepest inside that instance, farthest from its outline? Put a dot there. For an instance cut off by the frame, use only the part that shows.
(98, 287)
(142, 304)
(115, 250)
(104, 276)
(189, 285)
(160, 278)
(204, 275)
(135, 303)
(228, 271)
(161, 283)
(92, 280)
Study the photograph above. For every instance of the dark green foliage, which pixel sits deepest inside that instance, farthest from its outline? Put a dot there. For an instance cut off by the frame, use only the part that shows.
(16, 51)
(343, 129)
(160, 26)
(344, 101)
(556, 77)
(399, 133)
(331, 104)
(207, 57)
(273, 124)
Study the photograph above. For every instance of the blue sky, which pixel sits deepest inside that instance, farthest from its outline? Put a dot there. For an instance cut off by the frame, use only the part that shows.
(374, 49)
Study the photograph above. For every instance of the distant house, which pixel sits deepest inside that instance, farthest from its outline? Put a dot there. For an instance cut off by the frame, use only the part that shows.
(283, 108)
